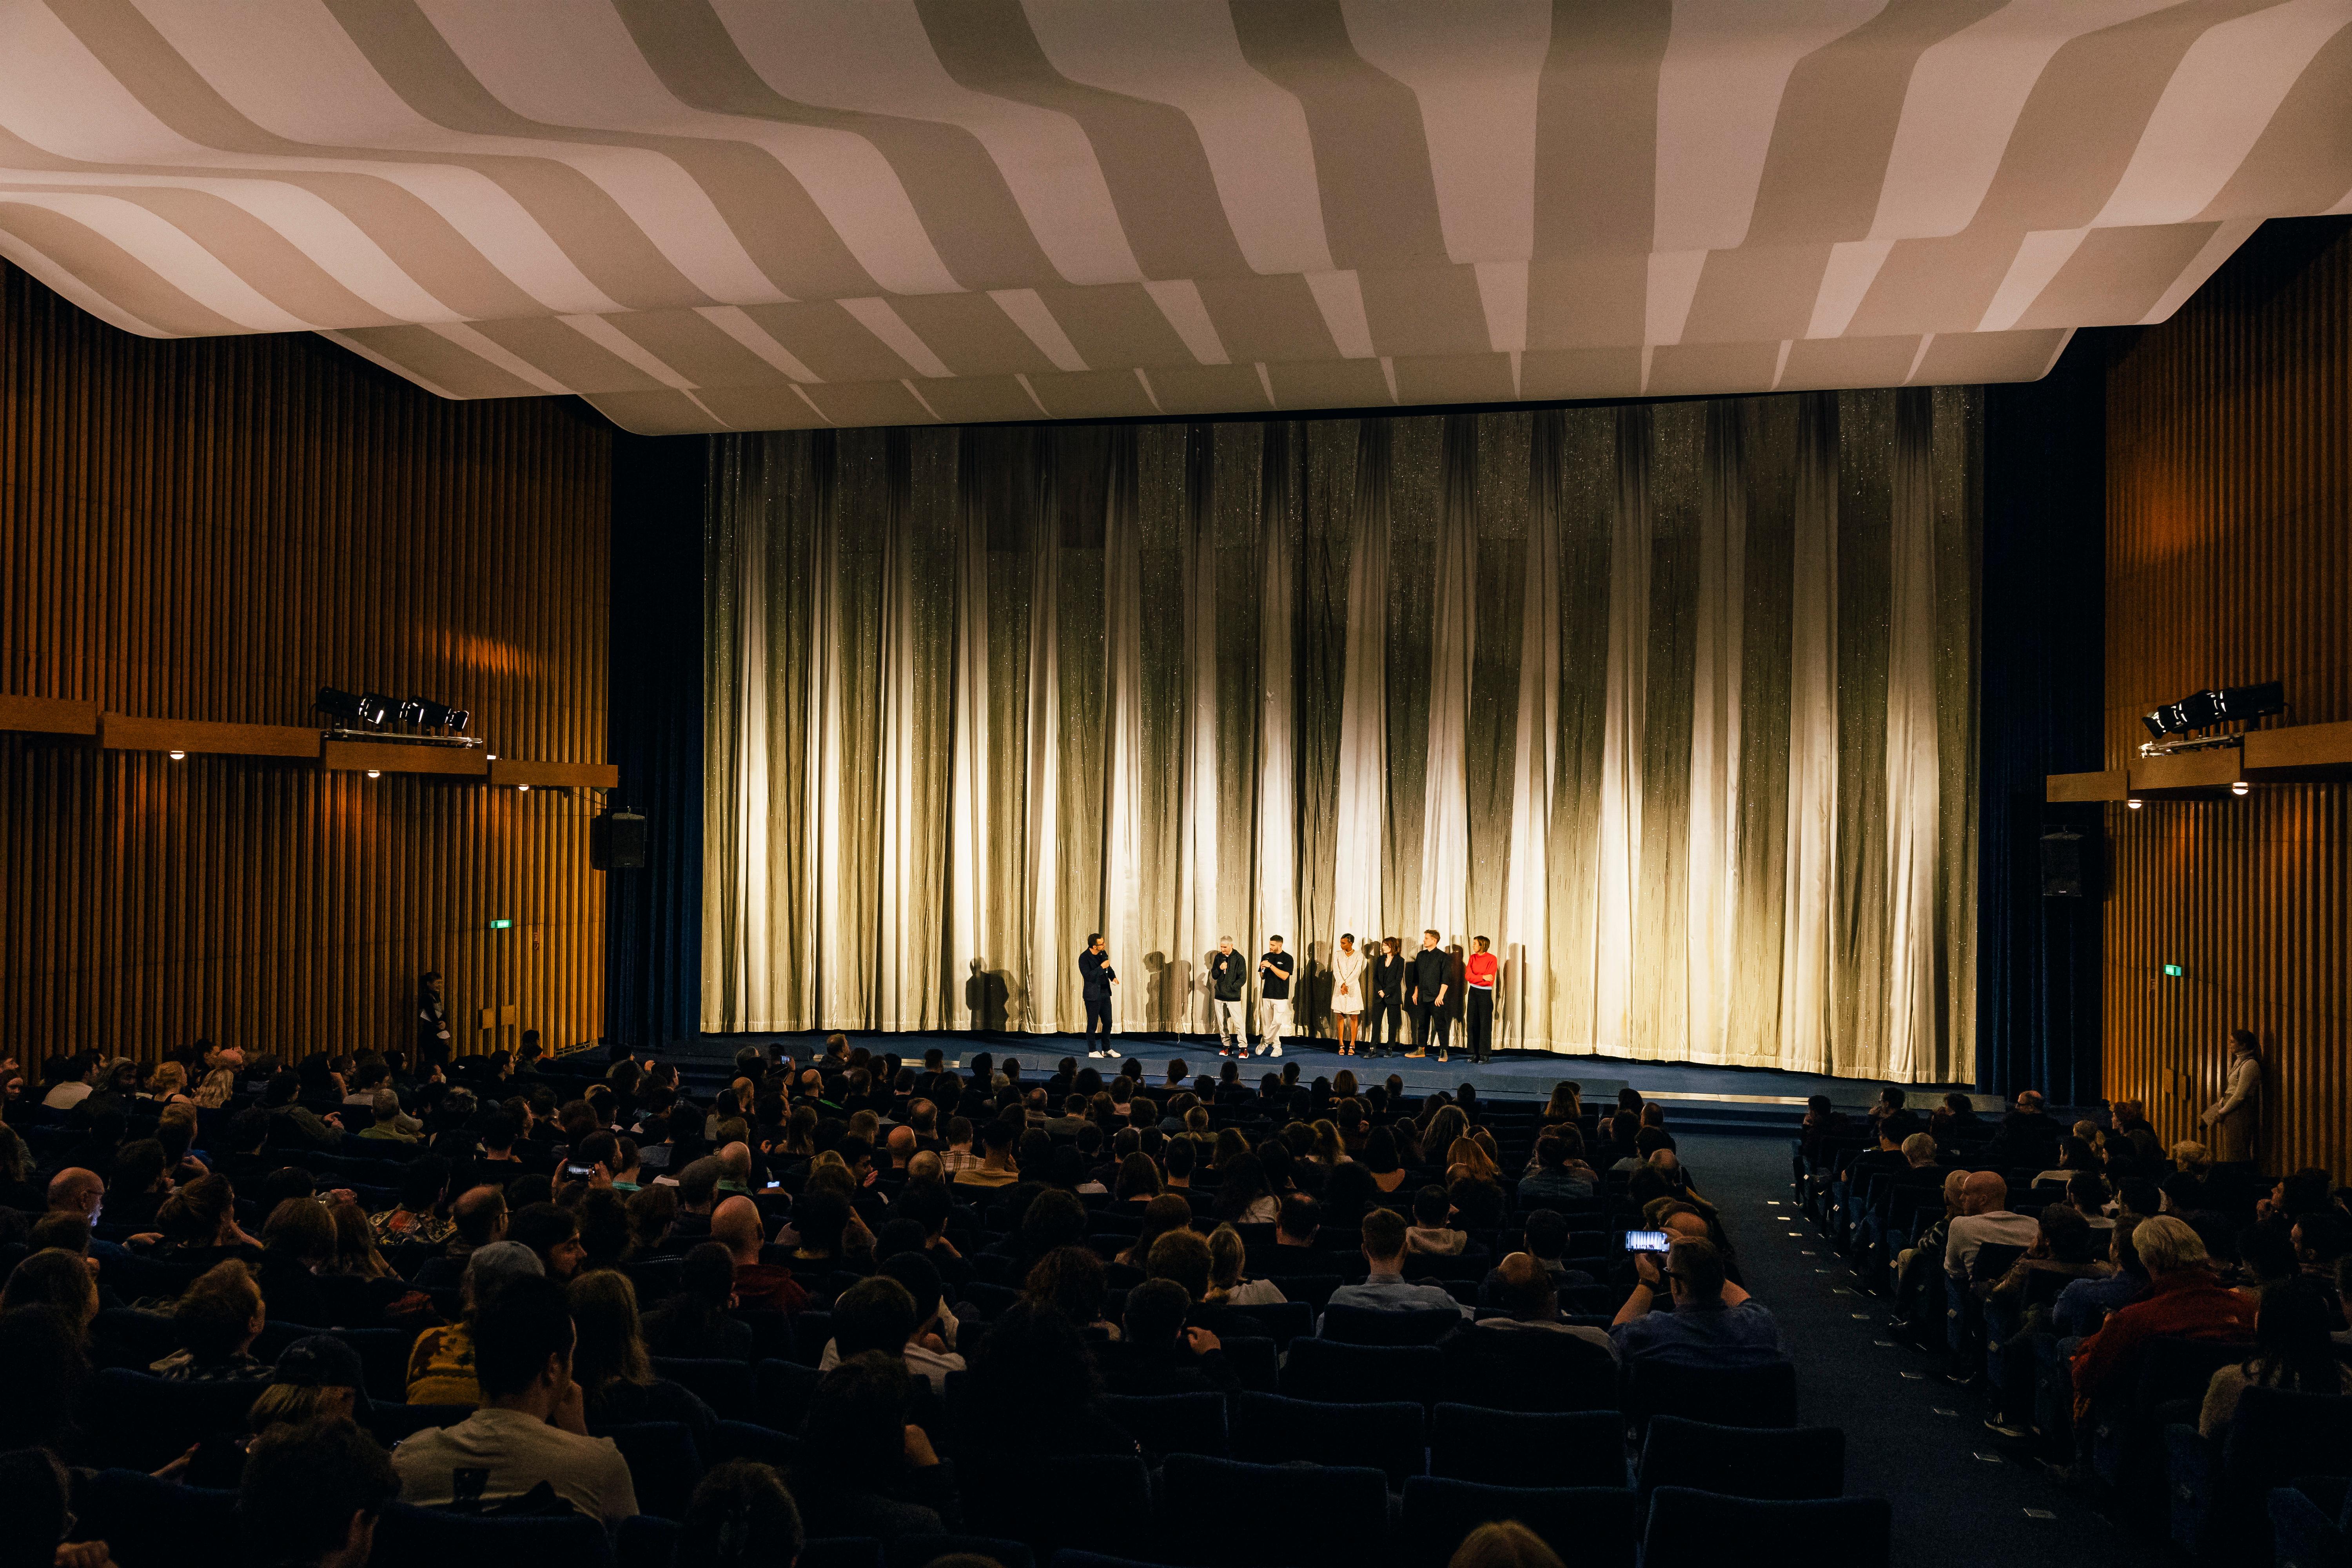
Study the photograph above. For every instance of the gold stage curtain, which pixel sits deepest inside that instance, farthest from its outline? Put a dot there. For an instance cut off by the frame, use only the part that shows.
(1675, 703)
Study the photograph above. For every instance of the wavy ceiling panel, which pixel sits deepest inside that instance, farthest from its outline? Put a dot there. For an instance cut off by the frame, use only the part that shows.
(707, 214)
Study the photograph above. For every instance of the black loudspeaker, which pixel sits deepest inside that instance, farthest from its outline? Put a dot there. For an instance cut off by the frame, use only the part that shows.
(2066, 862)
(616, 842)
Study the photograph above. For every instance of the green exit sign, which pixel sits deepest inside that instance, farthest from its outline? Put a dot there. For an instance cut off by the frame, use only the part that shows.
(2171, 970)
(501, 925)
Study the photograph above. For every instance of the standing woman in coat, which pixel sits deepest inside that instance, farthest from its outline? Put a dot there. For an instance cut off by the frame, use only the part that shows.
(2236, 1118)
(1346, 992)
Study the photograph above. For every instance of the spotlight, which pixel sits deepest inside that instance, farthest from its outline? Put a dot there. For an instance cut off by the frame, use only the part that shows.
(177, 756)
(2238, 786)
(435, 715)
(523, 788)
(2203, 709)
(493, 756)
(408, 710)
(337, 704)
(2133, 802)
(375, 773)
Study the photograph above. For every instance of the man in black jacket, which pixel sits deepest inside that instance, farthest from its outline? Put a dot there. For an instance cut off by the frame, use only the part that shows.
(1426, 982)
(1228, 984)
(1096, 977)
(1384, 979)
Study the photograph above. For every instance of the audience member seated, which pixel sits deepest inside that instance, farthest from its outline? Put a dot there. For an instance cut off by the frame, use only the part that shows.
(693, 1324)
(1158, 1354)
(1985, 1215)
(2028, 1138)
(2293, 1350)
(310, 1496)
(1229, 1285)
(1560, 1176)
(218, 1317)
(527, 1449)
(736, 1225)
(478, 1218)
(742, 1516)
(441, 1362)
(1429, 1233)
(552, 1234)
(1531, 1342)
(1385, 1287)
(863, 1470)
(2084, 1305)
(617, 1384)
(2184, 1300)
(1037, 1391)
(1713, 1322)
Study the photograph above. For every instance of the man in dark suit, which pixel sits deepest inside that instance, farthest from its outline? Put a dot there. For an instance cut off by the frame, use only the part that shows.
(1096, 977)
(1384, 979)
(1426, 994)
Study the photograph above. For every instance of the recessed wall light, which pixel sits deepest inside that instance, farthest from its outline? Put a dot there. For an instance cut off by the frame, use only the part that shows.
(375, 773)
(2238, 786)
(2133, 802)
(177, 756)
(524, 788)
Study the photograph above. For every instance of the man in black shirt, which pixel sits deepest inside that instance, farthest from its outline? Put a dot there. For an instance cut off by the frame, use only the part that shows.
(1426, 982)
(1274, 997)
(1096, 977)
(1384, 987)
(1228, 984)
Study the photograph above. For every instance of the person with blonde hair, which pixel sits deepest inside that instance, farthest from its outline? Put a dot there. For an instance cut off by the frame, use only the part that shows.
(2185, 1300)
(618, 1385)
(1505, 1543)
(168, 1084)
(2193, 1157)
(217, 1091)
(1228, 1285)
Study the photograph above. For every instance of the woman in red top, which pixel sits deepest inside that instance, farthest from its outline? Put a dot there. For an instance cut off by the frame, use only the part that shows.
(1480, 972)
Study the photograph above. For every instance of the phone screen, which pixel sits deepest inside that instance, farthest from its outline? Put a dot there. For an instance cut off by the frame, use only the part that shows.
(1647, 1241)
(579, 1173)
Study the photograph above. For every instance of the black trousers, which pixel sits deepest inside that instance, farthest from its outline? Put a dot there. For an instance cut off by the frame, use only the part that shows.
(1481, 1021)
(1428, 1022)
(1384, 1012)
(1098, 1012)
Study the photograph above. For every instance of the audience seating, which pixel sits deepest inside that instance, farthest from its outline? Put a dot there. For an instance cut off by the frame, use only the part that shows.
(663, 1464)
(1787, 1464)
(1374, 1326)
(783, 1393)
(1278, 1516)
(1592, 1526)
(917, 1551)
(2311, 1524)
(644, 1542)
(150, 1524)
(744, 1440)
(1097, 1502)
(720, 1384)
(1335, 1374)
(1691, 1529)
(1526, 1448)
(2220, 1490)
(144, 1423)
(1269, 1429)
(841, 1552)
(426, 1538)
(1752, 1396)
(1168, 1423)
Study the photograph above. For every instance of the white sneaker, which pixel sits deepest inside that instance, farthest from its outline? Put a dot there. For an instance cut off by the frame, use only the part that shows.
(1099, 1056)
(1277, 1047)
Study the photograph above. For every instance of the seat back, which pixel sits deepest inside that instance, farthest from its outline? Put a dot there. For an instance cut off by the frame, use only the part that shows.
(1096, 1503)
(1337, 1373)
(1164, 1424)
(1736, 1396)
(1269, 1429)
(1742, 1461)
(744, 1440)
(664, 1465)
(783, 1389)
(1528, 1448)
(408, 1536)
(2276, 1433)
(917, 1551)
(144, 1422)
(150, 1524)
(644, 1542)
(841, 1552)
(1690, 1529)
(729, 1387)
(1288, 1516)
(1254, 1361)
(1376, 1326)
(1592, 1526)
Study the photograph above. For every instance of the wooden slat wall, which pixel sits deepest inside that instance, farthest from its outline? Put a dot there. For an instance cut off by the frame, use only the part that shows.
(213, 530)
(2230, 561)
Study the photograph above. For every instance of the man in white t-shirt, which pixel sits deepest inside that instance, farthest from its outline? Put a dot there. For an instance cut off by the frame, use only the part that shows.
(72, 1091)
(528, 1447)
(1984, 1216)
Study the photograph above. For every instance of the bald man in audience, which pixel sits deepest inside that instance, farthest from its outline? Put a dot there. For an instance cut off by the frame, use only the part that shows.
(901, 1146)
(1531, 1342)
(479, 1215)
(737, 1225)
(1984, 1215)
(76, 1191)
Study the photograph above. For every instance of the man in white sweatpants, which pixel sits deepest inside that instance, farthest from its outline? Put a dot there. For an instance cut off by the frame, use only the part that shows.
(1228, 988)
(1273, 970)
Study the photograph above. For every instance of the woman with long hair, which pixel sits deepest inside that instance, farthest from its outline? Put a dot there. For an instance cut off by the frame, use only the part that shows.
(199, 1224)
(1439, 1128)
(1244, 1198)
(1034, 1376)
(1229, 1286)
(2292, 1352)
(613, 1368)
(1346, 992)
(1382, 1160)
(1327, 1150)
(217, 1090)
(1139, 1179)
(1169, 1211)
(1567, 1103)
(355, 1250)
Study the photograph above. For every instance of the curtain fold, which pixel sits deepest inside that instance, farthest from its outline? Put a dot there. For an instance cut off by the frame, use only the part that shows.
(971, 695)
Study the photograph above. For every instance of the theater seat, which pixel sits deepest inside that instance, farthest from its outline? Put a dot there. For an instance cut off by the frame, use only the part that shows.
(425, 1538)
(1697, 1529)
(1096, 1502)
(644, 1541)
(664, 1465)
(1390, 1437)
(916, 1551)
(1747, 1396)
(744, 1440)
(783, 1391)
(1373, 1326)
(144, 1422)
(1337, 1373)
(149, 1524)
(1742, 1461)
(2220, 1490)
(729, 1387)
(1592, 1526)
(1164, 1424)
(1523, 1448)
(1219, 1512)
(841, 1552)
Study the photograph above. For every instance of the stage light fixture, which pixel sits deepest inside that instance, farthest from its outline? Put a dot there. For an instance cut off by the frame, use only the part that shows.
(408, 710)
(337, 704)
(2227, 705)
(177, 756)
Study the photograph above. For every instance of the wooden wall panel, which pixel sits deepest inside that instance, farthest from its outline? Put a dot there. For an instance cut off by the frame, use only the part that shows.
(212, 530)
(2230, 561)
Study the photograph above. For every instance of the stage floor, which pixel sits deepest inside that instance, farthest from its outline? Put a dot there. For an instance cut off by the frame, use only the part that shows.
(1745, 1094)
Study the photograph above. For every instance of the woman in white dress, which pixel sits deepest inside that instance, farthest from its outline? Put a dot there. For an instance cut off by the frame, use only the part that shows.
(1346, 992)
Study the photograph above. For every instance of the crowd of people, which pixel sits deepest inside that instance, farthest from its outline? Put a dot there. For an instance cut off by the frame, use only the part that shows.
(2087, 1279)
(998, 1258)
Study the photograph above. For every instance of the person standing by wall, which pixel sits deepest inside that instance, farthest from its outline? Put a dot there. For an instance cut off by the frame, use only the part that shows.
(2236, 1118)
(1346, 992)
(1096, 977)
(1480, 974)
(432, 1047)
(1274, 971)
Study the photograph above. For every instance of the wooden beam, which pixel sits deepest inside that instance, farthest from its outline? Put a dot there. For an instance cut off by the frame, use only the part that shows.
(132, 732)
(49, 715)
(391, 757)
(2073, 787)
(2185, 776)
(515, 772)
(2300, 754)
